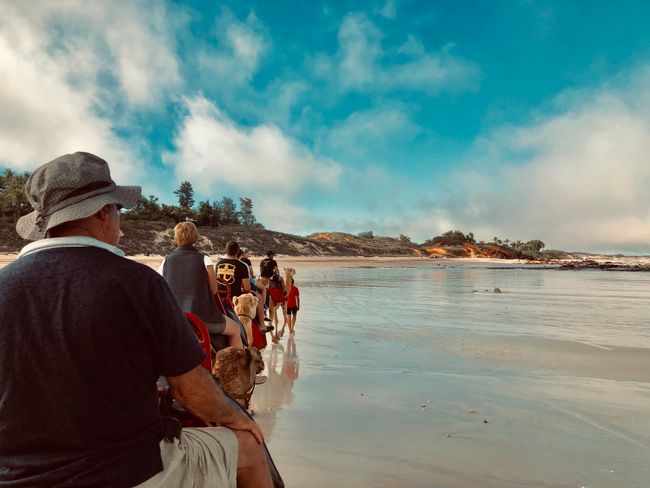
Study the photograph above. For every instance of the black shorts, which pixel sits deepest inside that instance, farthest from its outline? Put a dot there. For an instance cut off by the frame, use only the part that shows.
(292, 310)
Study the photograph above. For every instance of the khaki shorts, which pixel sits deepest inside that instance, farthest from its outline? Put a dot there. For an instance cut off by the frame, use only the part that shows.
(203, 457)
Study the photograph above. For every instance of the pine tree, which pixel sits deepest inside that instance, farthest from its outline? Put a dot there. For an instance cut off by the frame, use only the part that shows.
(246, 216)
(185, 194)
(228, 211)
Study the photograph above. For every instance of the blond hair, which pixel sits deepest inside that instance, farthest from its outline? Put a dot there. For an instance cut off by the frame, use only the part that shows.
(185, 234)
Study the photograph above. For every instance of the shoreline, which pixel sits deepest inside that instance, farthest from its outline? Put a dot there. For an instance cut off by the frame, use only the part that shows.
(330, 261)
(627, 263)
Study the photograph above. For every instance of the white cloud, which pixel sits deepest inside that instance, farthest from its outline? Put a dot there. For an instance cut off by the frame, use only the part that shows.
(281, 97)
(238, 55)
(579, 179)
(211, 149)
(140, 41)
(360, 48)
(280, 214)
(362, 64)
(51, 58)
(388, 10)
(377, 131)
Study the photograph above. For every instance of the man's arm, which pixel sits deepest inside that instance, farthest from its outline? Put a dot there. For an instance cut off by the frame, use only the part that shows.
(245, 281)
(199, 394)
(246, 285)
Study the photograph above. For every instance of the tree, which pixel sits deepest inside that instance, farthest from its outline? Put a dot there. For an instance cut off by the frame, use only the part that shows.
(228, 211)
(246, 215)
(146, 209)
(185, 194)
(534, 246)
(209, 214)
(452, 237)
(13, 198)
(366, 235)
(172, 212)
(403, 238)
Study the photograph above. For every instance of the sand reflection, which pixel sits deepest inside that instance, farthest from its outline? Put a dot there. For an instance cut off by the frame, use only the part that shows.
(282, 369)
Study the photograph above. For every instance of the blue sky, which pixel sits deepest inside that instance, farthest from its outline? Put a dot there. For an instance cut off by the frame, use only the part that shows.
(518, 119)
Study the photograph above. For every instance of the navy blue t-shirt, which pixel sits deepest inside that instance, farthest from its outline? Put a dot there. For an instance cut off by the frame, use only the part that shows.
(84, 335)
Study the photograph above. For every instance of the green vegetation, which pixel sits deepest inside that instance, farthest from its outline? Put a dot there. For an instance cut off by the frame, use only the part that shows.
(13, 201)
(453, 238)
(205, 213)
(14, 204)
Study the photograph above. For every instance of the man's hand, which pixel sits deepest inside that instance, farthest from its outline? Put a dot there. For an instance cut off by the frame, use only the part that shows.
(200, 395)
(243, 422)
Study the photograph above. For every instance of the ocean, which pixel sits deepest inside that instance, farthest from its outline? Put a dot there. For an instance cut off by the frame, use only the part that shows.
(427, 376)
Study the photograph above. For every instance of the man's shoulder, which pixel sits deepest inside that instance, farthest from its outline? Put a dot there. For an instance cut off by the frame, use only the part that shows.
(11, 269)
(98, 260)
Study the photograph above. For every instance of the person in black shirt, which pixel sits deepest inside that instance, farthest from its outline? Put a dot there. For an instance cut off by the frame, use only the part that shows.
(233, 274)
(268, 266)
(244, 257)
(85, 335)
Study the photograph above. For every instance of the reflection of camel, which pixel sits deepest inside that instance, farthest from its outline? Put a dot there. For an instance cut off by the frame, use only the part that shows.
(290, 363)
(276, 393)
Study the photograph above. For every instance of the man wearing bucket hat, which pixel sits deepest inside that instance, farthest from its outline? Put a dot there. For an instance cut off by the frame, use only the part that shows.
(85, 335)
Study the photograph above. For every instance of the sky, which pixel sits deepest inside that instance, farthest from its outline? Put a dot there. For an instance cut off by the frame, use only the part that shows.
(518, 119)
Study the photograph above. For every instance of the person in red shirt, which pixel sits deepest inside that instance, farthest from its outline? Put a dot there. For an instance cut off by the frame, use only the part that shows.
(293, 305)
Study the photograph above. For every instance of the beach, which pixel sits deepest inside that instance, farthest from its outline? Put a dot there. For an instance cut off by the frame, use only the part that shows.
(423, 376)
(417, 372)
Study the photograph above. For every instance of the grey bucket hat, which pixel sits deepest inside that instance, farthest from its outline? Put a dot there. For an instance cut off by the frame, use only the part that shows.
(71, 187)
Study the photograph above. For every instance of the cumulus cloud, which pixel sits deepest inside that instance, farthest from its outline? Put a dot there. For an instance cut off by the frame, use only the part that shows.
(281, 214)
(576, 176)
(52, 57)
(577, 179)
(211, 149)
(150, 71)
(377, 131)
(363, 64)
(237, 56)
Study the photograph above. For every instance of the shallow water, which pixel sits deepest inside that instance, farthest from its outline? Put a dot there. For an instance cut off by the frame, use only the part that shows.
(394, 371)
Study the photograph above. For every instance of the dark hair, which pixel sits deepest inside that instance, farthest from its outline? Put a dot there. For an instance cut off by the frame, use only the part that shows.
(293, 281)
(270, 253)
(240, 253)
(232, 248)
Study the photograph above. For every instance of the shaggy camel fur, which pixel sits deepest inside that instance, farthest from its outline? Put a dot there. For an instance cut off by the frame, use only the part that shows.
(288, 274)
(245, 306)
(236, 370)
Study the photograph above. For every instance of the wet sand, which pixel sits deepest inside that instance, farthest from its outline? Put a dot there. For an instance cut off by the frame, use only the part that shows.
(362, 397)
(411, 372)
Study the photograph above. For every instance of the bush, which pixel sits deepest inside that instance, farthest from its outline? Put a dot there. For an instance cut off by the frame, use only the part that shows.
(454, 237)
